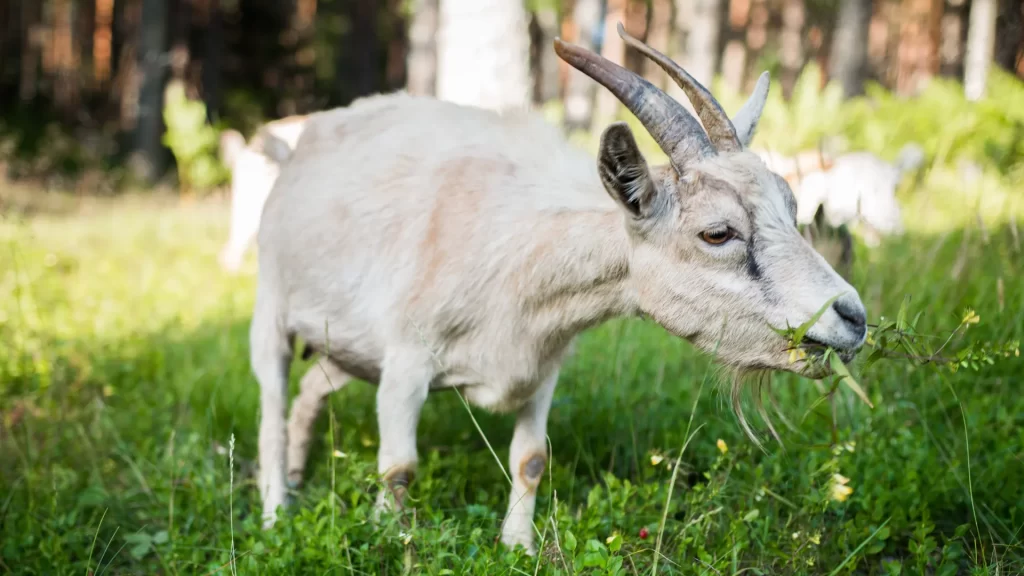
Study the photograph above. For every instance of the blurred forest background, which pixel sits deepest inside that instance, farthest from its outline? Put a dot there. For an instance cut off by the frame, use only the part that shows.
(84, 83)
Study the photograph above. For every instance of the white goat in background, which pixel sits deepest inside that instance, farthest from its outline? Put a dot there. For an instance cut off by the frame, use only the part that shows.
(254, 169)
(421, 245)
(853, 189)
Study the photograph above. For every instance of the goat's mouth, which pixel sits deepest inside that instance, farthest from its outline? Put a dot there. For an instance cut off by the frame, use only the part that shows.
(816, 349)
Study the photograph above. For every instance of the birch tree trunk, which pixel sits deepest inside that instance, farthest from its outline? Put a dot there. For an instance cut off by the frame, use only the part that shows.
(421, 64)
(483, 53)
(702, 41)
(981, 40)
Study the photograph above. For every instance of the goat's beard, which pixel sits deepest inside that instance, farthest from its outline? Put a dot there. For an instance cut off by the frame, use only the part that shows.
(736, 378)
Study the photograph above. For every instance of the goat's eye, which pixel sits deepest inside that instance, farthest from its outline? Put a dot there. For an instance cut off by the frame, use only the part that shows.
(717, 236)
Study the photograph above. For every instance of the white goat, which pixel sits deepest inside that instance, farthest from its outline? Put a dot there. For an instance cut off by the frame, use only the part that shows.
(856, 188)
(421, 245)
(254, 169)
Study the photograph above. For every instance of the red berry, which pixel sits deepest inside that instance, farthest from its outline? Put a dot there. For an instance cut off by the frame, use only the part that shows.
(643, 533)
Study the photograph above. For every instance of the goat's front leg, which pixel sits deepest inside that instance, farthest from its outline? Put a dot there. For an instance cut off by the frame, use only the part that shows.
(405, 381)
(527, 460)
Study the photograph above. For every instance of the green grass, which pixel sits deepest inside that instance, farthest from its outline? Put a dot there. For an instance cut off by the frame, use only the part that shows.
(124, 376)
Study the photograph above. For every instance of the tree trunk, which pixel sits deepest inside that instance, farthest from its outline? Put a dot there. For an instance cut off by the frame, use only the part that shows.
(659, 34)
(635, 23)
(981, 38)
(614, 50)
(580, 90)
(103, 43)
(792, 45)
(543, 60)
(395, 71)
(917, 59)
(734, 58)
(213, 59)
(702, 41)
(483, 53)
(65, 58)
(422, 60)
(150, 157)
(951, 52)
(1009, 33)
(848, 58)
(31, 23)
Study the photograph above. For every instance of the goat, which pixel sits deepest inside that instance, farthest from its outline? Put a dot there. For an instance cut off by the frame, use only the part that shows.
(254, 169)
(853, 189)
(421, 245)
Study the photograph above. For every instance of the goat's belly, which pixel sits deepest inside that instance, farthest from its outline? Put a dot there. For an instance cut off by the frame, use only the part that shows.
(495, 396)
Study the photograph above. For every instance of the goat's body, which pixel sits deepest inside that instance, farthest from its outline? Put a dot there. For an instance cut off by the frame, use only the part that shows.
(468, 256)
(481, 186)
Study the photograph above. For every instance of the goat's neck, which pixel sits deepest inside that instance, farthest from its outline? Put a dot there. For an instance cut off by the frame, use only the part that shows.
(576, 272)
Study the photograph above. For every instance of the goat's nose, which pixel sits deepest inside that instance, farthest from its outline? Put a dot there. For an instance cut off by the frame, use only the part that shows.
(852, 312)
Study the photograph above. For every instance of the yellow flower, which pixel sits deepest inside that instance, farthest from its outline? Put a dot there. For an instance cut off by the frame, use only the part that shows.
(971, 317)
(656, 459)
(840, 491)
(722, 446)
(340, 454)
(815, 538)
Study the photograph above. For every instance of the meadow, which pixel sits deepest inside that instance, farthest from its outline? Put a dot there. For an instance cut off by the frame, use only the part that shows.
(128, 423)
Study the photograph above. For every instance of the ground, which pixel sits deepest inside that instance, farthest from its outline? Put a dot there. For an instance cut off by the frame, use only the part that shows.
(129, 427)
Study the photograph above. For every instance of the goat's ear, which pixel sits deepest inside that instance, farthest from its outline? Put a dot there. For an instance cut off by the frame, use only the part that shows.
(749, 115)
(624, 171)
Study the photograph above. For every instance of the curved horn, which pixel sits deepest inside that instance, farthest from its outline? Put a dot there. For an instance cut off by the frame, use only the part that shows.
(671, 125)
(716, 122)
(745, 121)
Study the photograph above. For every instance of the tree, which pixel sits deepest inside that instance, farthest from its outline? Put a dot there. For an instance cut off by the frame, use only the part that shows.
(483, 53)
(981, 41)
(849, 54)
(149, 151)
(702, 41)
(791, 51)
(659, 34)
(613, 49)
(421, 63)
(579, 89)
(734, 59)
(543, 60)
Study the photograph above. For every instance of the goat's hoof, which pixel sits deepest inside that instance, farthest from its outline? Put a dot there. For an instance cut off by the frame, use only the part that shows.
(513, 539)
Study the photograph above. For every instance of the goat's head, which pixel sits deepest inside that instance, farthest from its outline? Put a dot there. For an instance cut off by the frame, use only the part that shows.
(716, 256)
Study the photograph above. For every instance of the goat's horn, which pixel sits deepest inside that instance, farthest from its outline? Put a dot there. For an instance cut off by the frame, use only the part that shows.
(671, 125)
(720, 129)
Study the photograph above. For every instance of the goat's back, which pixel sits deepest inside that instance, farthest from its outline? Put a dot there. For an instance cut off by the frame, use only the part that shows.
(404, 208)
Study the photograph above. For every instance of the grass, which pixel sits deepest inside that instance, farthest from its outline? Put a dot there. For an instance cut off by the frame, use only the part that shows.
(124, 378)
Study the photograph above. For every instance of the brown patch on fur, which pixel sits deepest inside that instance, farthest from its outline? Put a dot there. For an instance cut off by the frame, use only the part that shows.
(460, 185)
(530, 470)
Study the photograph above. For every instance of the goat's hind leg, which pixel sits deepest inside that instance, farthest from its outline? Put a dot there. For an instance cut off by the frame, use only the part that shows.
(317, 384)
(270, 355)
(405, 382)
